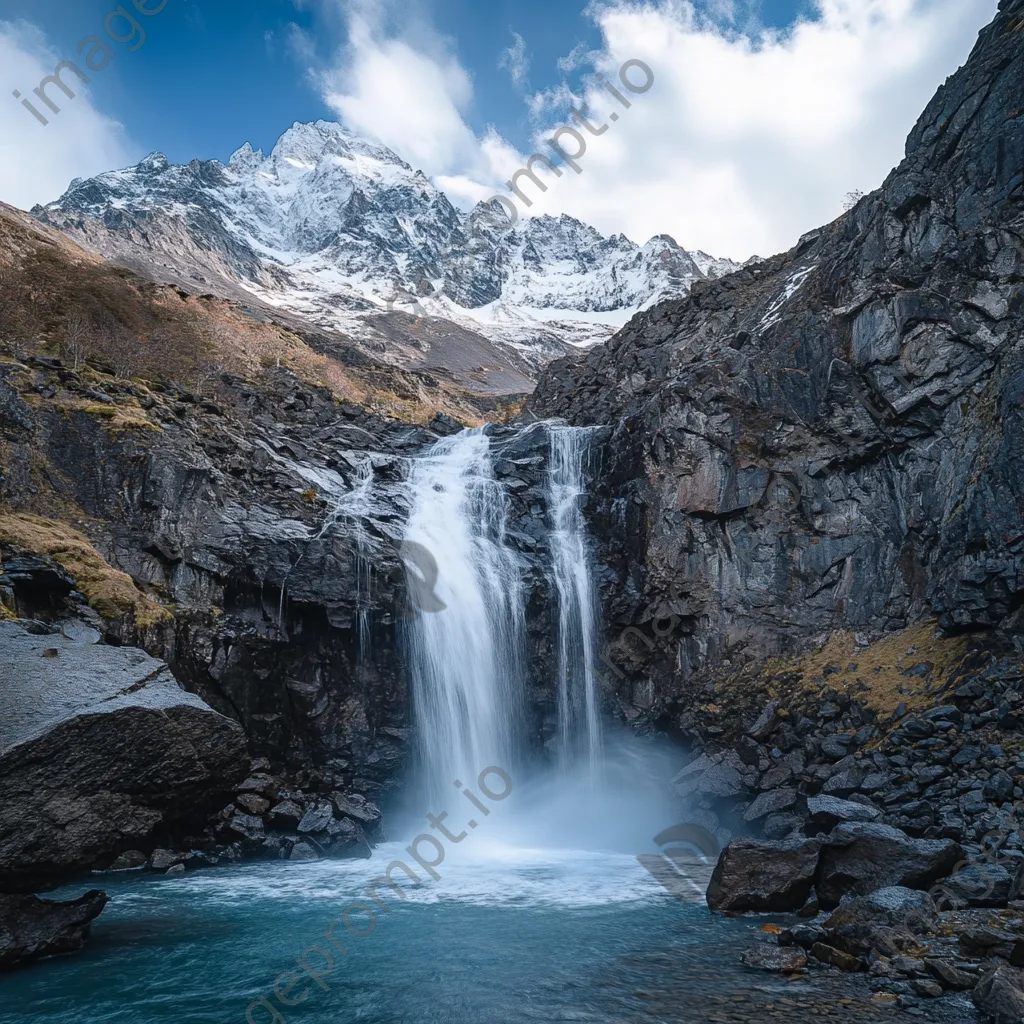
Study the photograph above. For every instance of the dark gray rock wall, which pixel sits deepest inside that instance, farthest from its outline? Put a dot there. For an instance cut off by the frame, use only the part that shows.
(248, 517)
(831, 438)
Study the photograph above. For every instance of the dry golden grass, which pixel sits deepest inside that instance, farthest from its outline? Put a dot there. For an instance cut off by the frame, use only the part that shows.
(129, 416)
(58, 298)
(879, 680)
(109, 591)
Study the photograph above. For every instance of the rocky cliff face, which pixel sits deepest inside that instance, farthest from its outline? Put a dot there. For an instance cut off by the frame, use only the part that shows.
(830, 439)
(257, 532)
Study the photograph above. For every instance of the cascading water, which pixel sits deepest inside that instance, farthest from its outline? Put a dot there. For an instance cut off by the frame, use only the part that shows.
(466, 648)
(467, 652)
(354, 506)
(579, 712)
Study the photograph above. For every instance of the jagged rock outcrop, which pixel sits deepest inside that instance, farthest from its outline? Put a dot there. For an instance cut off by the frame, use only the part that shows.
(268, 517)
(31, 928)
(859, 857)
(99, 749)
(832, 438)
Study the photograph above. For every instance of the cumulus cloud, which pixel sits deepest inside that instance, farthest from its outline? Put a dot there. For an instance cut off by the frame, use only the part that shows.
(748, 137)
(412, 101)
(81, 141)
(515, 61)
(400, 82)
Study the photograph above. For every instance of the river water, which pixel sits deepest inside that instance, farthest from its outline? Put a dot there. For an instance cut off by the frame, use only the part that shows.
(507, 935)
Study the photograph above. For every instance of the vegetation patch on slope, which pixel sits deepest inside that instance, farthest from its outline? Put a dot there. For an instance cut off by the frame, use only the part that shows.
(112, 593)
(57, 299)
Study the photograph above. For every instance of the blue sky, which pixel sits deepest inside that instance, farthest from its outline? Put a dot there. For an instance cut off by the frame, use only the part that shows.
(764, 113)
(208, 77)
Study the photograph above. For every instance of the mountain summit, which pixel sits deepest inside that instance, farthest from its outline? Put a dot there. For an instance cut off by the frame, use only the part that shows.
(340, 231)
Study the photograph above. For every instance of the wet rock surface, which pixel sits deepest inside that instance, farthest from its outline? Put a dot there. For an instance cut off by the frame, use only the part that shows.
(31, 928)
(761, 875)
(100, 748)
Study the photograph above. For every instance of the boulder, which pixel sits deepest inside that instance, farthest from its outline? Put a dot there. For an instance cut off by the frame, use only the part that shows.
(843, 783)
(771, 802)
(253, 804)
(287, 814)
(359, 809)
(926, 988)
(130, 860)
(765, 723)
(164, 859)
(881, 917)
(262, 785)
(100, 748)
(778, 826)
(1000, 995)
(344, 838)
(31, 928)
(836, 957)
(764, 956)
(950, 975)
(720, 780)
(317, 817)
(247, 826)
(764, 875)
(837, 746)
(981, 885)
(825, 812)
(986, 941)
(859, 857)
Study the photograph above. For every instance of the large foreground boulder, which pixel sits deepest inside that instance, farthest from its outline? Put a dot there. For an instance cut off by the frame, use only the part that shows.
(761, 875)
(31, 928)
(860, 857)
(99, 747)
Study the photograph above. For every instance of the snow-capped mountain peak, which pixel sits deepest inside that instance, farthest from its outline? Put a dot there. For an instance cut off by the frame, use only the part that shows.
(338, 229)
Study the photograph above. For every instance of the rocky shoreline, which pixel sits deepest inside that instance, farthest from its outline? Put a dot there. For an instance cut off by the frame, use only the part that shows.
(896, 839)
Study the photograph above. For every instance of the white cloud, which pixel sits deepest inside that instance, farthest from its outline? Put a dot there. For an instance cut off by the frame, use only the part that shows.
(561, 97)
(412, 101)
(515, 61)
(578, 57)
(41, 161)
(748, 137)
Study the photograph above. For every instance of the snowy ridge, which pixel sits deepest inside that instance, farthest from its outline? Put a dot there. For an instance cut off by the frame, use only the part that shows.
(339, 230)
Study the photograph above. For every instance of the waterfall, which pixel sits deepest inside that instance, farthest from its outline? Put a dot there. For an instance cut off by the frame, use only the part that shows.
(578, 709)
(466, 647)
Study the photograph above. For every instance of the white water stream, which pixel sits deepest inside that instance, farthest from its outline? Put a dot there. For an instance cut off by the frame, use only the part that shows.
(579, 711)
(466, 651)
(465, 656)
